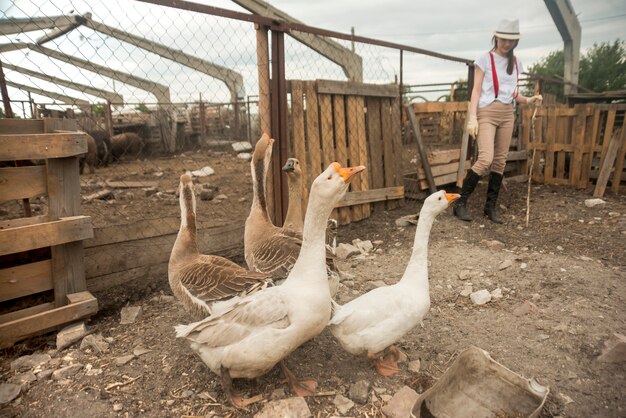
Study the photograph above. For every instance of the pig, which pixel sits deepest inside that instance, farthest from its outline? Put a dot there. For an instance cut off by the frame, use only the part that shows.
(91, 158)
(128, 143)
(103, 145)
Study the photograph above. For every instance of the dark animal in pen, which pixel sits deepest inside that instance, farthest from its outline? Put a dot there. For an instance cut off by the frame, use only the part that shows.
(127, 144)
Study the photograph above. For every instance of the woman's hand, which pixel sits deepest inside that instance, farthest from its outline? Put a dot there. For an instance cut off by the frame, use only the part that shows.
(535, 100)
(472, 126)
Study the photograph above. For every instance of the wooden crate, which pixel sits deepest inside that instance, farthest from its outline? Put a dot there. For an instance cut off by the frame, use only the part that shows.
(62, 229)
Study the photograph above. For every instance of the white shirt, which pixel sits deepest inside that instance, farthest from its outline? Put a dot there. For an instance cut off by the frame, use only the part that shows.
(507, 82)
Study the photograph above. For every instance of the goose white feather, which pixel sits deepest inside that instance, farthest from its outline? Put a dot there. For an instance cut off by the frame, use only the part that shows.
(260, 330)
(379, 318)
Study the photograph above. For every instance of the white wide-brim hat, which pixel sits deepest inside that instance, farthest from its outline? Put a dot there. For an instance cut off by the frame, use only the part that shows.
(508, 29)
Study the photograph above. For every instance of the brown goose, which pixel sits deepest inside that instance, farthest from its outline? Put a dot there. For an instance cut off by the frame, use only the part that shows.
(294, 217)
(204, 283)
(268, 248)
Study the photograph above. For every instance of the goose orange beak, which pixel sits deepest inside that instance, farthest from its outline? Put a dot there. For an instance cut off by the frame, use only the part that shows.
(347, 173)
(451, 197)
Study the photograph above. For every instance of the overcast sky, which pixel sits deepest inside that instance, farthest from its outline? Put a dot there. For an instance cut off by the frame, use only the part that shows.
(454, 27)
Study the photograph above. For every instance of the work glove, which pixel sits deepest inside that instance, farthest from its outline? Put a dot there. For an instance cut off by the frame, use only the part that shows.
(472, 126)
(535, 100)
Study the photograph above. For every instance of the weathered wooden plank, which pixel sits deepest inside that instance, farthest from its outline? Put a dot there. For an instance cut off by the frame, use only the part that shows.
(353, 88)
(439, 170)
(439, 180)
(608, 159)
(299, 145)
(313, 130)
(42, 146)
(15, 330)
(619, 162)
(388, 152)
(326, 129)
(398, 149)
(143, 273)
(24, 238)
(439, 107)
(421, 149)
(21, 126)
(463, 152)
(521, 155)
(354, 154)
(578, 142)
(130, 184)
(141, 229)
(14, 223)
(375, 143)
(25, 280)
(114, 258)
(22, 182)
(341, 148)
(590, 145)
(561, 139)
(370, 196)
(23, 313)
(361, 142)
(608, 134)
(550, 141)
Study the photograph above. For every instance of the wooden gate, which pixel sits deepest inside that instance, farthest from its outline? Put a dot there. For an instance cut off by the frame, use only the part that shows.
(351, 123)
(575, 145)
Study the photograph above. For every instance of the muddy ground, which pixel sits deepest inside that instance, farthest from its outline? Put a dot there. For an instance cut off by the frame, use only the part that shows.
(570, 262)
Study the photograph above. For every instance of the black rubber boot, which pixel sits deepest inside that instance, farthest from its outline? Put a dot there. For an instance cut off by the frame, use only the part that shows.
(493, 189)
(460, 206)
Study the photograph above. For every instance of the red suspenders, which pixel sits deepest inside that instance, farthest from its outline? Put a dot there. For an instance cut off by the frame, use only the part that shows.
(494, 74)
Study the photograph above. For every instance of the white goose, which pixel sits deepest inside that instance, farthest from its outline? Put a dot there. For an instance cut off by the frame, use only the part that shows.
(267, 248)
(261, 329)
(204, 282)
(376, 320)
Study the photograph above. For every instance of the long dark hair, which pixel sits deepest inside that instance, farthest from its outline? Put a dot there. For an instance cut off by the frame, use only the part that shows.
(510, 56)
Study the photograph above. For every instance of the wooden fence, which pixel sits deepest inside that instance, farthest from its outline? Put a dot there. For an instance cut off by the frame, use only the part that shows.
(351, 123)
(575, 145)
(42, 253)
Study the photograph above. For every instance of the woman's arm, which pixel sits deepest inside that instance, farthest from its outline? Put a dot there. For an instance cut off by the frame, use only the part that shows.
(530, 100)
(479, 76)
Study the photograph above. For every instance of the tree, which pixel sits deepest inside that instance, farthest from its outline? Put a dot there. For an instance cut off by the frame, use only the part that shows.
(602, 68)
(143, 108)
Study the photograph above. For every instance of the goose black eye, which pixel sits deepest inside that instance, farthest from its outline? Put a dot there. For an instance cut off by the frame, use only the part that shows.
(439, 197)
(330, 177)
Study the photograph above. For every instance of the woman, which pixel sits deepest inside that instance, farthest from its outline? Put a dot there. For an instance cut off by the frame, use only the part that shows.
(491, 116)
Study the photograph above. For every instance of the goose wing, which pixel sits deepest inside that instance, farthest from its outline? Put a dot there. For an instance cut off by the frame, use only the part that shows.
(213, 278)
(276, 255)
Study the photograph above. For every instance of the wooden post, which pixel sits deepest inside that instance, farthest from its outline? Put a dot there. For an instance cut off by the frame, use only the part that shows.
(421, 149)
(279, 125)
(607, 163)
(202, 117)
(265, 119)
(463, 154)
(108, 118)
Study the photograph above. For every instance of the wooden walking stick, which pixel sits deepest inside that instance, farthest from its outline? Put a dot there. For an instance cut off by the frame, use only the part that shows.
(532, 162)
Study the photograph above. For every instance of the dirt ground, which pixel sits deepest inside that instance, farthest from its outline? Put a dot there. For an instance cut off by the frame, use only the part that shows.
(570, 262)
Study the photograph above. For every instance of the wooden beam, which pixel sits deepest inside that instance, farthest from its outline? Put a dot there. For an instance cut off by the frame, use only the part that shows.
(74, 228)
(25, 280)
(421, 149)
(84, 305)
(463, 152)
(22, 182)
(352, 88)
(31, 220)
(21, 126)
(607, 164)
(370, 196)
(42, 146)
(64, 98)
(439, 107)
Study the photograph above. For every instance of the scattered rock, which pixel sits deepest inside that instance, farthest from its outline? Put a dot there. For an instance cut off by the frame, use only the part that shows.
(44, 374)
(525, 308)
(140, 351)
(118, 407)
(207, 194)
(592, 203)
(523, 265)
(406, 220)
(23, 378)
(203, 172)
(95, 342)
(221, 197)
(400, 405)
(8, 392)
(70, 334)
(150, 191)
(543, 337)
(120, 361)
(278, 393)
(465, 275)
(467, 290)
(480, 297)
(347, 250)
(496, 294)
(374, 284)
(414, 366)
(130, 314)
(359, 391)
(614, 350)
(105, 194)
(67, 371)
(291, 407)
(343, 404)
(493, 244)
(246, 156)
(241, 146)
(505, 264)
(363, 246)
(29, 362)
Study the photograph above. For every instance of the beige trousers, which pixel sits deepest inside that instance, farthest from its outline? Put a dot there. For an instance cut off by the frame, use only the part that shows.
(495, 128)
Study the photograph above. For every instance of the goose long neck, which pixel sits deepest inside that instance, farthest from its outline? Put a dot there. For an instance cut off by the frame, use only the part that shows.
(259, 183)
(293, 219)
(313, 251)
(417, 269)
(186, 241)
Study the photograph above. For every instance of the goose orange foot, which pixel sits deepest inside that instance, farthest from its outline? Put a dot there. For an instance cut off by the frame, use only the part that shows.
(303, 387)
(387, 364)
(236, 400)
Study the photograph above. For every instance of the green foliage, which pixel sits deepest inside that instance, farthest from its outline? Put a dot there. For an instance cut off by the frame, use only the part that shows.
(2, 116)
(97, 110)
(602, 68)
(141, 107)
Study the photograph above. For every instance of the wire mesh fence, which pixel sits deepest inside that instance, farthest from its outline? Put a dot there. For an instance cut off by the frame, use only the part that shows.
(166, 90)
